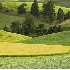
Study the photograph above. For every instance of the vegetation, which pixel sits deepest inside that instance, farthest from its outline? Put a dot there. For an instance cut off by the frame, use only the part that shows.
(18, 49)
(11, 37)
(21, 8)
(49, 11)
(60, 15)
(14, 5)
(34, 9)
(40, 62)
(61, 38)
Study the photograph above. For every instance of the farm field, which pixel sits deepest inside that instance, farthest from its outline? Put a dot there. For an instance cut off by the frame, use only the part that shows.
(11, 37)
(31, 49)
(39, 62)
(14, 5)
(49, 51)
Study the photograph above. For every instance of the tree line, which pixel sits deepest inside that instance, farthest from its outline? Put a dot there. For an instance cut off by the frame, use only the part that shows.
(48, 11)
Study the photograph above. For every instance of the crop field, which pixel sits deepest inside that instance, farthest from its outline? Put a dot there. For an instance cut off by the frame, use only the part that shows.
(61, 38)
(31, 49)
(14, 5)
(39, 62)
(11, 37)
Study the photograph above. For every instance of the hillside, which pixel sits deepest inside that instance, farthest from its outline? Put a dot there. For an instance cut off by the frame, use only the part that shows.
(14, 5)
(66, 25)
(11, 37)
(61, 38)
(8, 19)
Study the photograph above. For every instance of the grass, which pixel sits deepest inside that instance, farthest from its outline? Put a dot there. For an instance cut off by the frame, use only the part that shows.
(14, 5)
(11, 37)
(31, 49)
(61, 38)
(40, 62)
(66, 25)
(8, 19)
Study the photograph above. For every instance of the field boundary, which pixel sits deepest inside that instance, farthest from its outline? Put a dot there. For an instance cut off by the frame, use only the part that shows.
(34, 55)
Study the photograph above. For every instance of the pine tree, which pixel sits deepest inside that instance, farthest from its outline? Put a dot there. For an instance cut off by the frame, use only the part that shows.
(22, 9)
(28, 26)
(60, 15)
(48, 10)
(5, 28)
(67, 16)
(35, 9)
(15, 27)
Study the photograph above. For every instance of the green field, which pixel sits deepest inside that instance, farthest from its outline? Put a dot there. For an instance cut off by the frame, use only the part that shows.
(61, 38)
(39, 62)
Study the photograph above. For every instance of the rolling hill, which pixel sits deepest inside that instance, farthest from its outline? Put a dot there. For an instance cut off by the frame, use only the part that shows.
(61, 38)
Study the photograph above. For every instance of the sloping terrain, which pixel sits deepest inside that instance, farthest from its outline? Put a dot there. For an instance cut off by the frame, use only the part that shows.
(11, 37)
(61, 38)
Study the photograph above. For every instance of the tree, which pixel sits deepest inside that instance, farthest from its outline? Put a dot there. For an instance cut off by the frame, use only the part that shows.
(28, 26)
(59, 29)
(48, 10)
(5, 28)
(1, 7)
(22, 9)
(35, 9)
(40, 30)
(67, 16)
(15, 27)
(60, 15)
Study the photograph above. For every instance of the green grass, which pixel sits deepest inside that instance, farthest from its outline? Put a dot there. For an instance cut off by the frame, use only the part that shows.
(39, 62)
(14, 5)
(7, 20)
(66, 25)
(61, 38)
(11, 37)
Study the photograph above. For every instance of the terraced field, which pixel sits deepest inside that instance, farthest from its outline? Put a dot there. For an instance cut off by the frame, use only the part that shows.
(37, 56)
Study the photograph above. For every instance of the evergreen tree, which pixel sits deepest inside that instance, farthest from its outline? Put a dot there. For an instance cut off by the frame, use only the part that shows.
(60, 15)
(48, 10)
(35, 9)
(40, 30)
(28, 26)
(15, 27)
(1, 7)
(22, 9)
(5, 28)
(67, 16)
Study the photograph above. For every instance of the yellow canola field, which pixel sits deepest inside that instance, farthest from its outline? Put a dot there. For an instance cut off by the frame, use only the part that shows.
(31, 49)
